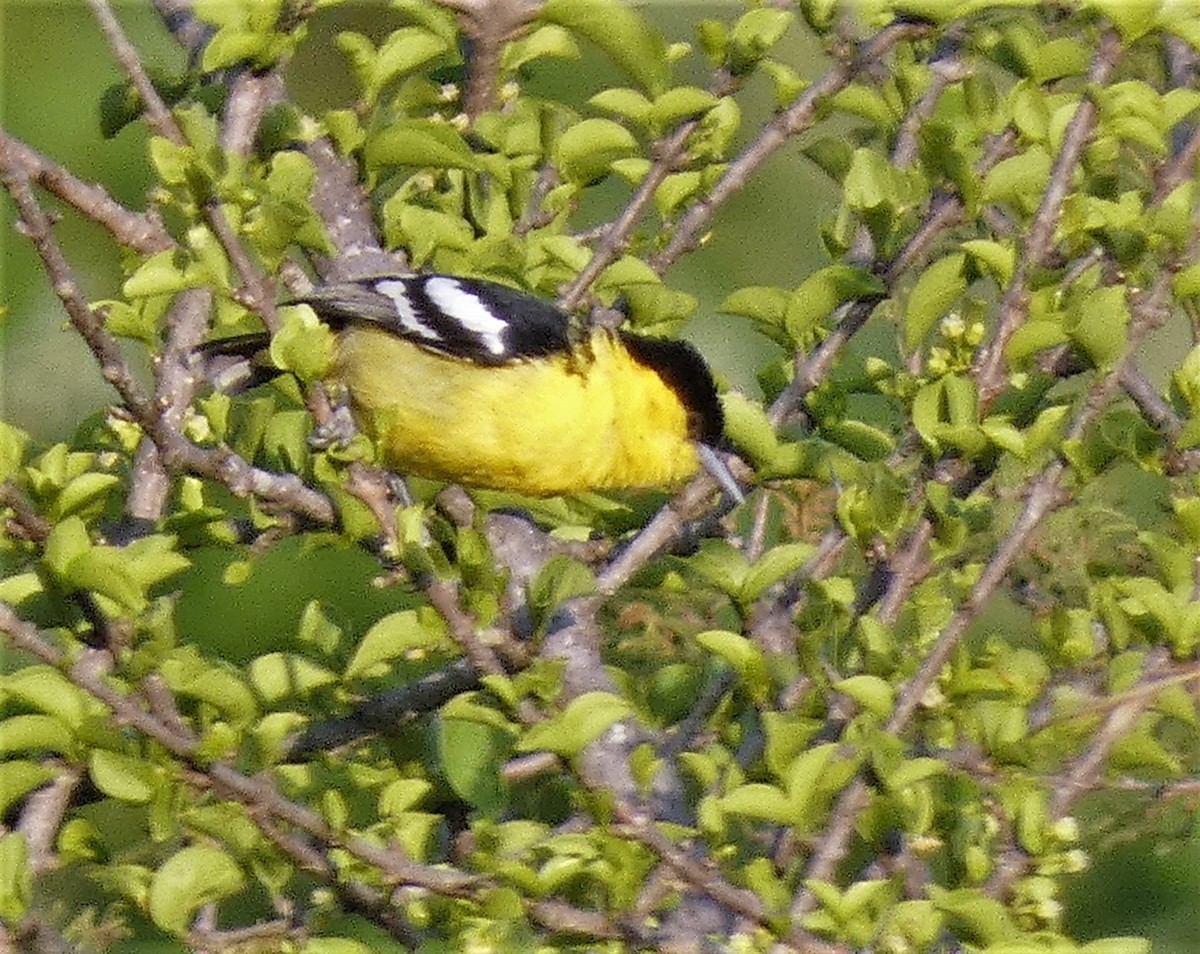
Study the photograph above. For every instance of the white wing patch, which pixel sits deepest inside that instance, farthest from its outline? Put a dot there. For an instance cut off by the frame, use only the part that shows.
(465, 308)
(409, 319)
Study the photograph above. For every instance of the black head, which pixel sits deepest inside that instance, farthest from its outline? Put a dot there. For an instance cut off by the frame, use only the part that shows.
(684, 372)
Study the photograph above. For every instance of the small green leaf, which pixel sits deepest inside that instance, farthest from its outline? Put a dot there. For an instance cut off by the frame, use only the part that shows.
(997, 259)
(747, 426)
(755, 32)
(472, 754)
(938, 287)
(583, 721)
(636, 47)
(743, 657)
(1099, 324)
(626, 103)
(872, 693)
(404, 51)
(36, 733)
(422, 143)
(18, 778)
(548, 41)
(47, 689)
(122, 777)
(776, 564)
(188, 880)
(16, 880)
(587, 150)
(13, 444)
(335, 945)
(680, 103)
(818, 295)
(765, 802)
(396, 635)
(560, 579)
(279, 676)
(160, 275)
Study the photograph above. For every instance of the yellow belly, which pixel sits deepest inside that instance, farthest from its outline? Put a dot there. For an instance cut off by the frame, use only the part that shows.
(540, 427)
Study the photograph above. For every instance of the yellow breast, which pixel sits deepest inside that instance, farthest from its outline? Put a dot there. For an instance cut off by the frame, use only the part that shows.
(546, 426)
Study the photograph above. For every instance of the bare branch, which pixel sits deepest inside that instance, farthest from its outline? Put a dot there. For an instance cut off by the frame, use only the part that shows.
(989, 366)
(138, 231)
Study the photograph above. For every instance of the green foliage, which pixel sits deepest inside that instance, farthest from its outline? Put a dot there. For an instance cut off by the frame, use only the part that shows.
(859, 711)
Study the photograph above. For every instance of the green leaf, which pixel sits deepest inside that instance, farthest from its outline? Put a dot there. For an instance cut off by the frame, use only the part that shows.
(872, 693)
(763, 304)
(47, 689)
(743, 657)
(755, 32)
(83, 493)
(680, 103)
(123, 777)
(870, 182)
(636, 47)
(765, 802)
(13, 444)
(1132, 18)
(335, 945)
(188, 880)
(983, 919)
(1118, 945)
(422, 143)
(279, 676)
(16, 880)
(583, 721)
(160, 275)
(587, 150)
(997, 259)
(404, 51)
(36, 733)
(626, 103)
(912, 771)
(472, 754)
(819, 294)
(106, 571)
(18, 778)
(748, 428)
(396, 635)
(938, 287)
(303, 345)
(560, 579)
(786, 83)
(1099, 323)
(777, 564)
(1020, 180)
(546, 41)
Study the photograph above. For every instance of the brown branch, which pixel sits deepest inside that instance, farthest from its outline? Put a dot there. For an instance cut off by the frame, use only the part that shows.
(136, 230)
(258, 291)
(88, 674)
(219, 464)
(989, 365)
(250, 96)
(43, 815)
(489, 24)
(345, 210)
(795, 119)
(669, 153)
(127, 56)
(1043, 495)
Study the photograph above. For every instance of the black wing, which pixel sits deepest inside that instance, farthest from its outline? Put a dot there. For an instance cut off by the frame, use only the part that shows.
(465, 318)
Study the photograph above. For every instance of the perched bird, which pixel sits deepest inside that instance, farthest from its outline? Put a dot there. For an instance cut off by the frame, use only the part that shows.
(473, 382)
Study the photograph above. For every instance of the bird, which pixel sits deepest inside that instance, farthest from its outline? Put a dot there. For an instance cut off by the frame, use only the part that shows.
(473, 382)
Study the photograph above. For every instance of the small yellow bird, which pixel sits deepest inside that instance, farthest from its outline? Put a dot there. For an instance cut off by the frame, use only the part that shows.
(473, 382)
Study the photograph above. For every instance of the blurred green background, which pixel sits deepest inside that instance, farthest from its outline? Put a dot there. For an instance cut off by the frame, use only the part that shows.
(54, 67)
